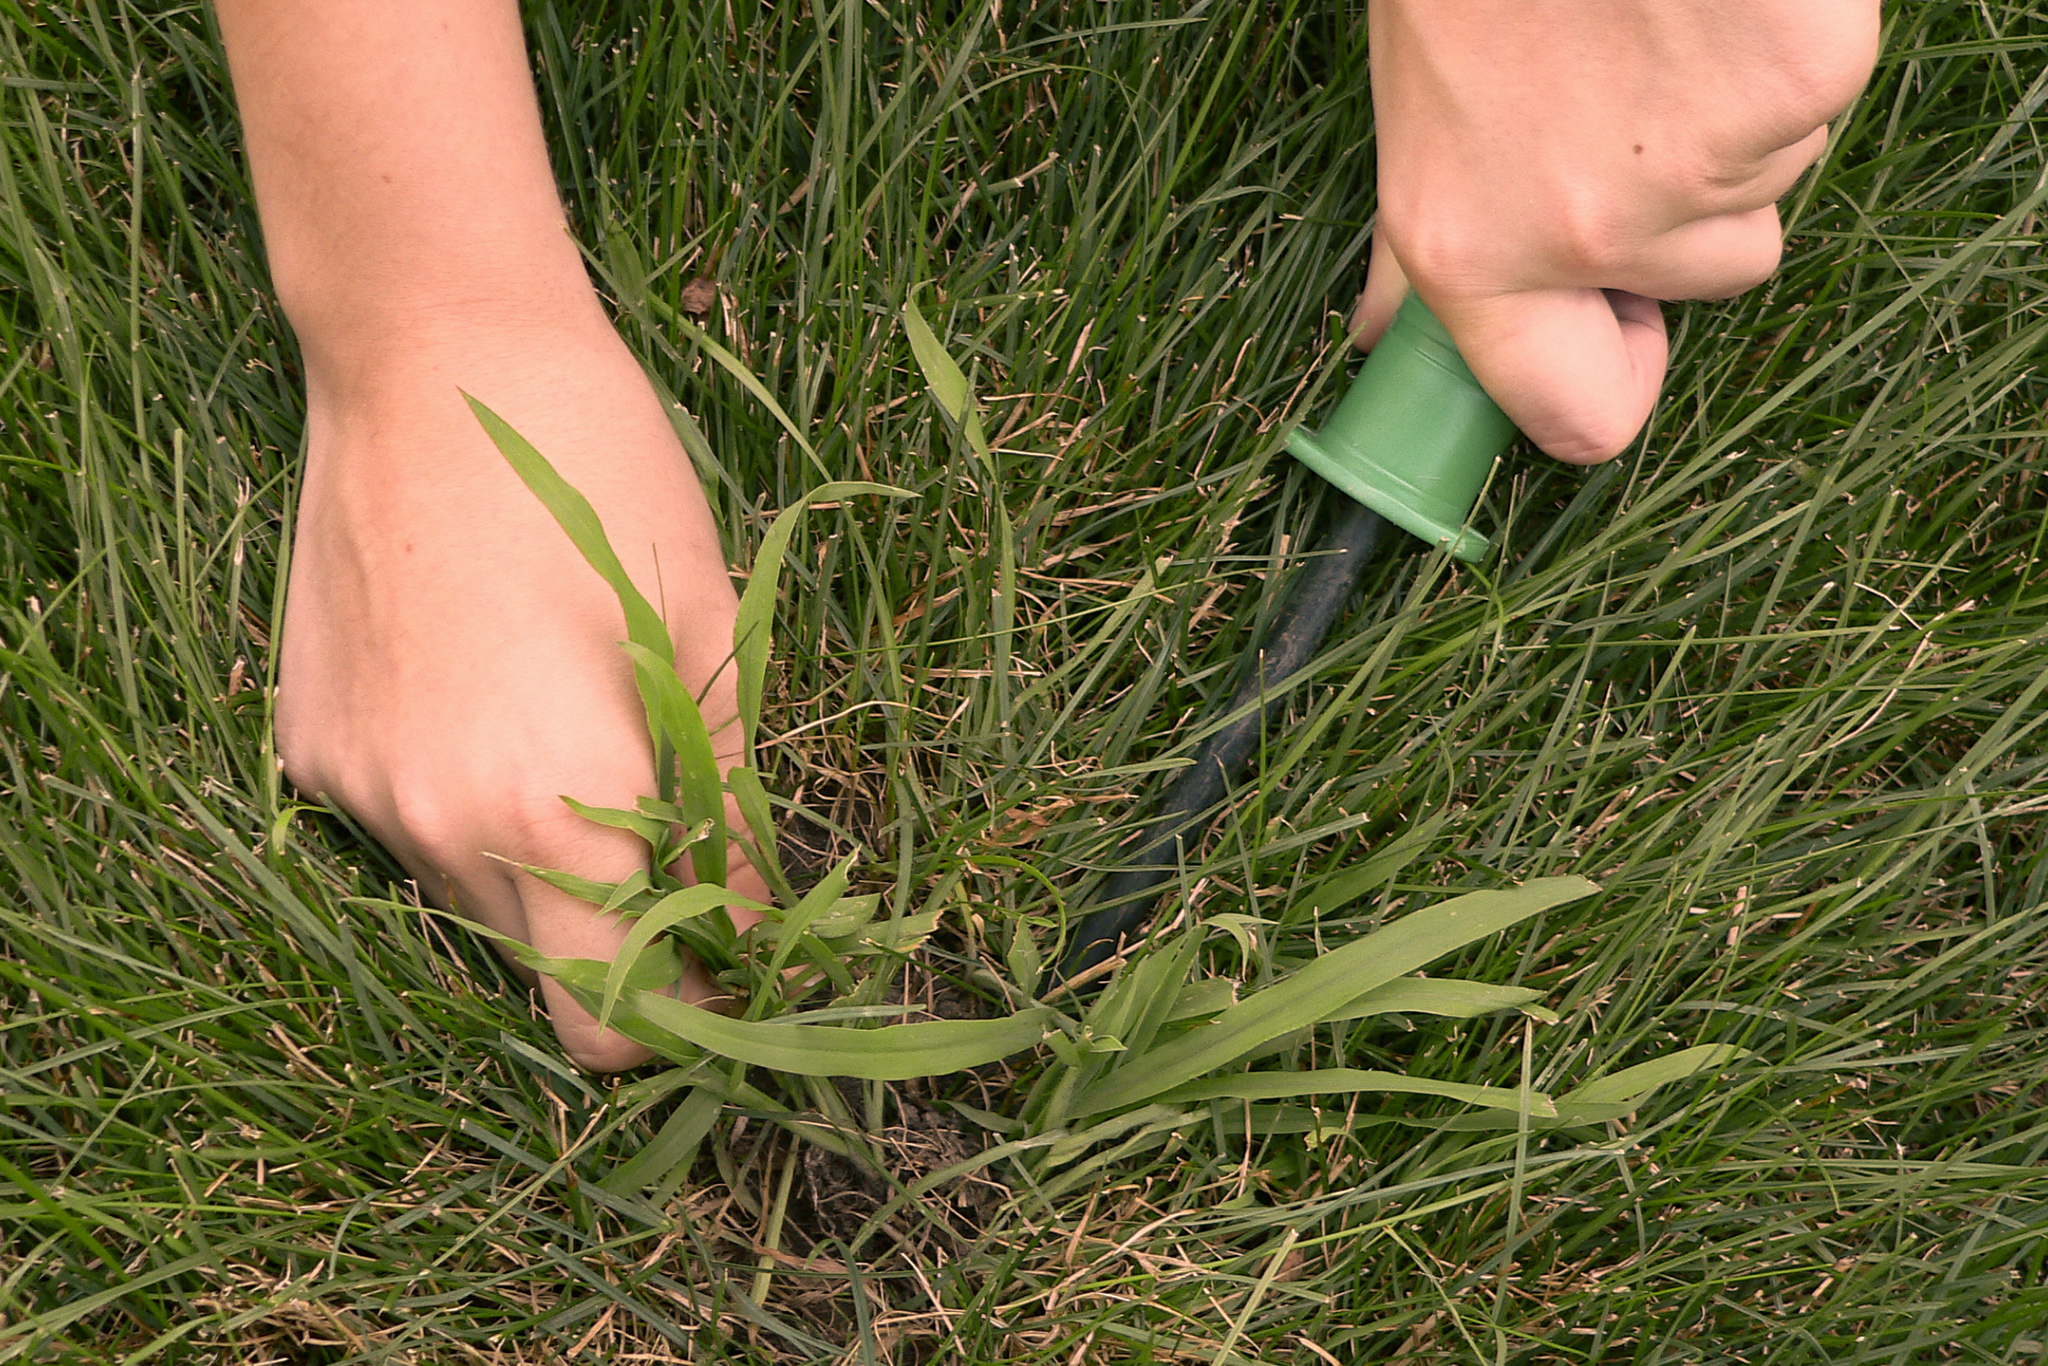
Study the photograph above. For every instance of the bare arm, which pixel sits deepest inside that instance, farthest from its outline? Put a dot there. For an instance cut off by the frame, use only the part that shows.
(450, 668)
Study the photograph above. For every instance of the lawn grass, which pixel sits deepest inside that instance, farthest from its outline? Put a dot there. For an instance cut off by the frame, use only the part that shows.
(1774, 679)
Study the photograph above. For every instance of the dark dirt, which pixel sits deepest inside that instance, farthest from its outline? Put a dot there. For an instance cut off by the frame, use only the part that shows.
(805, 847)
(922, 1137)
(839, 1196)
(698, 296)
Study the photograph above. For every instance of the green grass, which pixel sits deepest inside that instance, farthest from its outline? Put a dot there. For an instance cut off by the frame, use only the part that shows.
(1774, 680)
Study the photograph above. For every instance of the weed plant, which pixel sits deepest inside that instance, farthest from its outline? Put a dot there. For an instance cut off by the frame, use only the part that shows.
(1773, 681)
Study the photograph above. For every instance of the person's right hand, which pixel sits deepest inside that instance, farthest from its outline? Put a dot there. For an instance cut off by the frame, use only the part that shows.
(1549, 169)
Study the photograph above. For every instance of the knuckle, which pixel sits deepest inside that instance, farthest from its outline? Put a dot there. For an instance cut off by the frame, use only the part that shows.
(535, 820)
(1435, 252)
(425, 808)
(588, 1047)
(1828, 76)
(1757, 263)
(1820, 77)
(1748, 260)
(296, 751)
(300, 746)
(1590, 237)
(1705, 178)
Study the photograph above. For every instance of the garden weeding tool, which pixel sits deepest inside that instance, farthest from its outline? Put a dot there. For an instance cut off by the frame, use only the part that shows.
(1411, 444)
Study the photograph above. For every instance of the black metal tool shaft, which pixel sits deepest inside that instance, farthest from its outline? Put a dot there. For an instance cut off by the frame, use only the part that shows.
(1314, 601)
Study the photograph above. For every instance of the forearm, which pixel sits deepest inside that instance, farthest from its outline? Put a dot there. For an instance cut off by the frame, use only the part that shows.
(399, 166)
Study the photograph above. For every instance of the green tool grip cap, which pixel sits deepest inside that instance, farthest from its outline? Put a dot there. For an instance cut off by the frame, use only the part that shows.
(1415, 437)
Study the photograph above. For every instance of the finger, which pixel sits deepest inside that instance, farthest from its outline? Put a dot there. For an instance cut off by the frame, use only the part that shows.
(1778, 171)
(561, 926)
(1711, 258)
(487, 897)
(1576, 369)
(474, 888)
(1386, 284)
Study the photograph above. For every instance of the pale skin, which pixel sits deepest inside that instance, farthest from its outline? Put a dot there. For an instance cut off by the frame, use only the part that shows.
(450, 668)
(1550, 169)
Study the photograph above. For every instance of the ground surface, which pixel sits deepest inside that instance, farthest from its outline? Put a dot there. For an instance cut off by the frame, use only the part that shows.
(1774, 679)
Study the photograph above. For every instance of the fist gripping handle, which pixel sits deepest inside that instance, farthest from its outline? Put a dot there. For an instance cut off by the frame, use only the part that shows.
(1416, 435)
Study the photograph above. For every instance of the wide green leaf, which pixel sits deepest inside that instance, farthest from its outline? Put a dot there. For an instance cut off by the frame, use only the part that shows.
(1210, 996)
(1324, 986)
(646, 827)
(1159, 980)
(816, 903)
(1618, 1093)
(752, 799)
(666, 914)
(1333, 1081)
(748, 380)
(849, 915)
(678, 724)
(1435, 996)
(573, 513)
(1375, 870)
(892, 1053)
(948, 382)
(674, 1148)
(897, 936)
(584, 977)
(633, 895)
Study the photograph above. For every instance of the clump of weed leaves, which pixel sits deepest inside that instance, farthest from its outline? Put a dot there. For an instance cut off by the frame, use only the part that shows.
(819, 1028)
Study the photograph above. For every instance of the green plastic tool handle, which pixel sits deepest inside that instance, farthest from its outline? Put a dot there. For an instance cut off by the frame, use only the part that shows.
(1415, 437)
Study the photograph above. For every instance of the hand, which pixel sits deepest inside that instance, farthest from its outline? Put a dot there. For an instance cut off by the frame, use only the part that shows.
(1549, 169)
(450, 665)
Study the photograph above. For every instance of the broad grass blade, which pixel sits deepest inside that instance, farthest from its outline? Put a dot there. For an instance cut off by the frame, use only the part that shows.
(749, 381)
(1375, 870)
(1210, 996)
(1615, 1095)
(1326, 985)
(646, 827)
(892, 1053)
(1127, 999)
(1159, 989)
(673, 716)
(948, 383)
(670, 911)
(674, 1145)
(1435, 996)
(573, 513)
(1335, 1081)
(751, 797)
(900, 935)
(637, 890)
(816, 903)
(849, 915)
(1067, 1147)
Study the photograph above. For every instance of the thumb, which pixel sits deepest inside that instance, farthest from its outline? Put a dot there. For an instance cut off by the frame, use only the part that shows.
(1386, 284)
(1578, 370)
